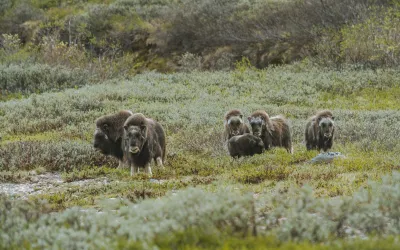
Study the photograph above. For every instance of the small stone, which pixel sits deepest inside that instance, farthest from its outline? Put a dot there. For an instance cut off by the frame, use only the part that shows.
(326, 157)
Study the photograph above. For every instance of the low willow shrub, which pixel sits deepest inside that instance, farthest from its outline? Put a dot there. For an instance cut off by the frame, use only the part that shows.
(294, 216)
(51, 155)
(38, 78)
(196, 102)
(192, 209)
(373, 210)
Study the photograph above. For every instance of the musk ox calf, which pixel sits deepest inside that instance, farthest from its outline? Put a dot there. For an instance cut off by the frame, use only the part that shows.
(109, 133)
(234, 124)
(144, 140)
(319, 131)
(245, 145)
(274, 131)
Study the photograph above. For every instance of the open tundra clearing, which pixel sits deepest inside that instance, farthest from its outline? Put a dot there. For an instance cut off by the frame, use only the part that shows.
(203, 198)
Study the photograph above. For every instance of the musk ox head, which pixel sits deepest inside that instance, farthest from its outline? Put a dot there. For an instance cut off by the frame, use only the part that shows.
(326, 127)
(135, 138)
(102, 140)
(257, 124)
(259, 145)
(107, 137)
(234, 125)
(135, 133)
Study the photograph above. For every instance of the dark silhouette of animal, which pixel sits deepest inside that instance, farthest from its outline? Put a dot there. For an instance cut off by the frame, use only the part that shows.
(245, 145)
(234, 124)
(274, 131)
(109, 133)
(144, 140)
(319, 131)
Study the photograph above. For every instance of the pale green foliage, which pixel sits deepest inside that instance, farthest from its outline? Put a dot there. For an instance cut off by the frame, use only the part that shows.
(296, 216)
(370, 43)
(190, 62)
(371, 210)
(37, 78)
(60, 155)
(11, 44)
(175, 101)
(191, 209)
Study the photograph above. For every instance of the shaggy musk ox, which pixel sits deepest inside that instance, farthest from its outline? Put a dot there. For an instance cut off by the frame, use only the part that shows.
(274, 131)
(109, 133)
(234, 125)
(245, 145)
(319, 131)
(144, 140)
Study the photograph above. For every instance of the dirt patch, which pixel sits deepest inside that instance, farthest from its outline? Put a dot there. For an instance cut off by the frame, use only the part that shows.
(43, 183)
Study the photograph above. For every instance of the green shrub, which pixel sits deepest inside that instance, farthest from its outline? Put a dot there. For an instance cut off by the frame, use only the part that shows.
(281, 90)
(371, 43)
(371, 210)
(27, 79)
(53, 156)
(195, 217)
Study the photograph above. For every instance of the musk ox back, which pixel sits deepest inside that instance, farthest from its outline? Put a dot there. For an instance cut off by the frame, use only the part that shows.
(144, 140)
(234, 124)
(319, 132)
(109, 133)
(245, 145)
(274, 131)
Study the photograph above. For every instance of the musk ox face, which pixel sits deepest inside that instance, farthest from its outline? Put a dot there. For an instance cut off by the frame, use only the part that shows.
(234, 125)
(257, 124)
(326, 127)
(135, 138)
(101, 141)
(259, 149)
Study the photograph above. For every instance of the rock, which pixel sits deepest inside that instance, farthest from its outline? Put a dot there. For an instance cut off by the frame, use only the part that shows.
(326, 157)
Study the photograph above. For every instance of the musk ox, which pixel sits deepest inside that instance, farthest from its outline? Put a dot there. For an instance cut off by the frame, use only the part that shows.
(144, 140)
(319, 131)
(234, 124)
(245, 145)
(274, 131)
(109, 133)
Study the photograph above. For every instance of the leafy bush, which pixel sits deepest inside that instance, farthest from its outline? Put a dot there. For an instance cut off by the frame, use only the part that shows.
(53, 156)
(379, 44)
(371, 210)
(158, 33)
(27, 79)
(283, 90)
(172, 220)
(190, 210)
(18, 14)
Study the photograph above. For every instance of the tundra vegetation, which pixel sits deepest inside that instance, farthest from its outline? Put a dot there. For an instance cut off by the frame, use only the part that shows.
(66, 63)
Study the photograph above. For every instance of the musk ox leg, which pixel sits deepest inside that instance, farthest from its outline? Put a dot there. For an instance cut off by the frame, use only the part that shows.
(133, 170)
(159, 162)
(147, 169)
(121, 164)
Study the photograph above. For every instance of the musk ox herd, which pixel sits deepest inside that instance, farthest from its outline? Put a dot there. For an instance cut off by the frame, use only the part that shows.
(136, 140)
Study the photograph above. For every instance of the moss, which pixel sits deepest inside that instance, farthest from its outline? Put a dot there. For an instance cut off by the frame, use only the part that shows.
(364, 99)
(89, 172)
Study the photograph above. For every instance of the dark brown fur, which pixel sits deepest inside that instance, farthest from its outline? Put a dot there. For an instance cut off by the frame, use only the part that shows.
(245, 145)
(319, 131)
(274, 131)
(234, 124)
(144, 140)
(109, 133)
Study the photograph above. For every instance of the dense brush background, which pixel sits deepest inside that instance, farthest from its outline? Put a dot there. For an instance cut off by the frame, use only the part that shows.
(185, 63)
